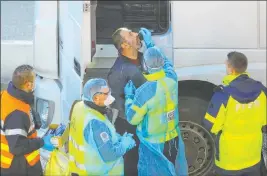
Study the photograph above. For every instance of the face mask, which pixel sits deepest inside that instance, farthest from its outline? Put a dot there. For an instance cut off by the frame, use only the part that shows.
(33, 88)
(144, 67)
(110, 99)
(143, 48)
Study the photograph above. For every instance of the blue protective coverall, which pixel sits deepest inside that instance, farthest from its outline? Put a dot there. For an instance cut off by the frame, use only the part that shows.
(156, 121)
(108, 145)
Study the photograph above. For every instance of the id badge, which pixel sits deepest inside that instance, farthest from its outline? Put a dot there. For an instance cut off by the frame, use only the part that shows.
(170, 115)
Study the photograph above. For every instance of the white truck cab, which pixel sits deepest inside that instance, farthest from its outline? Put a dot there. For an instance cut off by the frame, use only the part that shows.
(72, 43)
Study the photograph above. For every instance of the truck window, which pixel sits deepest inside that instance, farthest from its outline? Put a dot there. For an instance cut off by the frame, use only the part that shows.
(111, 15)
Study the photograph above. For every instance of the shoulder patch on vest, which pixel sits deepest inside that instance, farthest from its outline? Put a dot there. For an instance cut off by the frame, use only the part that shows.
(104, 136)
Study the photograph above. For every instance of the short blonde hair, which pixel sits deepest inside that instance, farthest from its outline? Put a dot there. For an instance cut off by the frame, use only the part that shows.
(22, 75)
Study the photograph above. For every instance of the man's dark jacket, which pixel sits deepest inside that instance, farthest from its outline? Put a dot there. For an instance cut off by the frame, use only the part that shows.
(123, 70)
(20, 145)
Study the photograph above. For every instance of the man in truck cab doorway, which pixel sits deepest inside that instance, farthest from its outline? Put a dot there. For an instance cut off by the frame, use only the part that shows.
(19, 142)
(237, 116)
(127, 67)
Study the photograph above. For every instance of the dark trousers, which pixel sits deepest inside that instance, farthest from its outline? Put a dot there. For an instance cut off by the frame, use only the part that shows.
(252, 171)
(170, 149)
(20, 167)
(131, 157)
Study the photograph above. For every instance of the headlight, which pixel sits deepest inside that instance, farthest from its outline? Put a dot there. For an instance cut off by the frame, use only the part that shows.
(45, 108)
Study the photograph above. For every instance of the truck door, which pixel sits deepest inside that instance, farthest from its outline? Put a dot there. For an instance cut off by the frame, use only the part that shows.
(64, 44)
(77, 46)
(45, 43)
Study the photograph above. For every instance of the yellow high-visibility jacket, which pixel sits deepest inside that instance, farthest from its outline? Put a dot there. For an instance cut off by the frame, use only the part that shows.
(236, 115)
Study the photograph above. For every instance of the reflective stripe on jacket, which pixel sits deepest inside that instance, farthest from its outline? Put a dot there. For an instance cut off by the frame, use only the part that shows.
(10, 104)
(236, 115)
(85, 158)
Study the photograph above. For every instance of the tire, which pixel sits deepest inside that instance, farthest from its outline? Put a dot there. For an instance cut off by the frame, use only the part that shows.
(263, 168)
(199, 142)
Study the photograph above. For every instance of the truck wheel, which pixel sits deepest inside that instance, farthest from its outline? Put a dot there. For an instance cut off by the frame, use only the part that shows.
(198, 141)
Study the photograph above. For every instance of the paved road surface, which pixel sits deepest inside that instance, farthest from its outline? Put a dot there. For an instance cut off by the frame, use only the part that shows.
(17, 20)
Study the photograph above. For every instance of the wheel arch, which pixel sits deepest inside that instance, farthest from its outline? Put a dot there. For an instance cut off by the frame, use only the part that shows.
(194, 96)
(196, 88)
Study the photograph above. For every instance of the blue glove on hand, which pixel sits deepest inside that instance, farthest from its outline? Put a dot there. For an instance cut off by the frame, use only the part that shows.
(118, 136)
(129, 90)
(128, 142)
(127, 134)
(147, 37)
(47, 143)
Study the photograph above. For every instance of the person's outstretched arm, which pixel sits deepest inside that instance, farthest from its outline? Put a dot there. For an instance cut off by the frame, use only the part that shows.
(137, 100)
(108, 149)
(169, 68)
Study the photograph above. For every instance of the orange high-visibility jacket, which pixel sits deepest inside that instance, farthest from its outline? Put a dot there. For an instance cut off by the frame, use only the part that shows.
(10, 104)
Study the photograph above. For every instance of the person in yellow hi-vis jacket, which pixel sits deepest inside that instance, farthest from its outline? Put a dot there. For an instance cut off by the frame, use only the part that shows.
(237, 116)
(94, 146)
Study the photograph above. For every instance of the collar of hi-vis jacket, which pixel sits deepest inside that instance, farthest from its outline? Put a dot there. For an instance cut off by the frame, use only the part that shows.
(230, 78)
(155, 76)
(102, 110)
(27, 98)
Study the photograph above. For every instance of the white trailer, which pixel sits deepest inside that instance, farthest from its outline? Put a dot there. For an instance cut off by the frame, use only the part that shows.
(72, 43)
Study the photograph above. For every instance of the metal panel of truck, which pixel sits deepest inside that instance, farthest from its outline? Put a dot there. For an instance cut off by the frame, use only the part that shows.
(45, 42)
(215, 24)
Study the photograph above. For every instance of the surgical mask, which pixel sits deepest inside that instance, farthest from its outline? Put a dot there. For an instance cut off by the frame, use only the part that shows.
(33, 89)
(144, 67)
(110, 99)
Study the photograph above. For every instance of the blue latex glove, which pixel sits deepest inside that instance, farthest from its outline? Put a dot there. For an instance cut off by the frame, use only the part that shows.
(118, 136)
(129, 90)
(128, 142)
(127, 134)
(124, 135)
(47, 143)
(147, 37)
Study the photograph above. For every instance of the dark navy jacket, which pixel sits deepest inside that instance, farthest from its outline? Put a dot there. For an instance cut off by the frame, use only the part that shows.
(121, 72)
